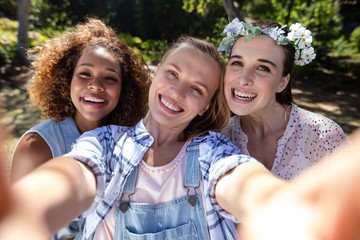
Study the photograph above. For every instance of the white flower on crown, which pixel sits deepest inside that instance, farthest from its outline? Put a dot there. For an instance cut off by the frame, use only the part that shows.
(308, 54)
(234, 28)
(276, 33)
(299, 37)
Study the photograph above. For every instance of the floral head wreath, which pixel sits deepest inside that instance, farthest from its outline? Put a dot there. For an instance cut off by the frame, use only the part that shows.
(299, 37)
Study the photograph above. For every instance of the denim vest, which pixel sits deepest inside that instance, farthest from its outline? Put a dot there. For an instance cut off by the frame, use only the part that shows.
(58, 135)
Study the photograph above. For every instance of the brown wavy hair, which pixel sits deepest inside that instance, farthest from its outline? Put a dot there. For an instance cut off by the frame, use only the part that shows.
(216, 117)
(55, 61)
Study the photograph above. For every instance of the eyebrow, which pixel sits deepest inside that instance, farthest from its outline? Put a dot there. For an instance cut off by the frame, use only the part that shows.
(92, 65)
(203, 85)
(260, 60)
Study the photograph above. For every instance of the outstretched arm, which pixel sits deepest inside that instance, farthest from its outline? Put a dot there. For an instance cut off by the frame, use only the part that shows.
(322, 203)
(48, 199)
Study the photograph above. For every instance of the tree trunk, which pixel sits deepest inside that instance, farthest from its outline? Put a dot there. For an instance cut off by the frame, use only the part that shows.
(24, 8)
(231, 11)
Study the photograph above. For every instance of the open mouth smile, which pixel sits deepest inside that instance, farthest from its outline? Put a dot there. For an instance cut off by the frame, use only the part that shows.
(170, 105)
(243, 95)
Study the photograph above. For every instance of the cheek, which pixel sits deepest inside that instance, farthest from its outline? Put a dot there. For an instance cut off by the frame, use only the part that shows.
(227, 84)
(73, 95)
(115, 92)
(72, 89)
(229, 76)
(75, 85)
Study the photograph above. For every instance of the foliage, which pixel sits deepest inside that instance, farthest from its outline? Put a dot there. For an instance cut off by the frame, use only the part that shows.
(158, 22)
(151, 50)
(148, 19)
(8, 39)
(355, 39)
(8, 9)
(48, 14)
(202, 7)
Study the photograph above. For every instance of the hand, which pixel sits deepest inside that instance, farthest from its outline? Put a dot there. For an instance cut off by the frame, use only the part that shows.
(323, 203)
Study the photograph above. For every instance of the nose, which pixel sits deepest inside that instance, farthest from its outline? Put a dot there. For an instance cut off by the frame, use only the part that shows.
(177, 91)
(245, 77)
(96, 84)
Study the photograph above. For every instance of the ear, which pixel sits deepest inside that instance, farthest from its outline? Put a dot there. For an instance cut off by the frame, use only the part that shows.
(283, 83)
(204, 110)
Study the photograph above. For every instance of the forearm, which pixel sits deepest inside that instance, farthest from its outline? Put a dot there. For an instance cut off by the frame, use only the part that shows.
(245, 188)
(52, 195)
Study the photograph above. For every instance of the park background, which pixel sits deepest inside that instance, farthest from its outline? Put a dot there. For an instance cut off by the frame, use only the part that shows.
(330, 85)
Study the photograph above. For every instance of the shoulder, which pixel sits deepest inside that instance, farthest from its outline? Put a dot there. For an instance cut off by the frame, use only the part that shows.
(317, 121)
(48, 125)
(44, 124)
(319, 125)
(30, 152)
(231, 125)
(31, 140)
(112, 135)
(216, 142)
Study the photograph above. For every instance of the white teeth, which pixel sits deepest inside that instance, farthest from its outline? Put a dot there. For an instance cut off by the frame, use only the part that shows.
(170, 105)
(93, 99)
(244, 95)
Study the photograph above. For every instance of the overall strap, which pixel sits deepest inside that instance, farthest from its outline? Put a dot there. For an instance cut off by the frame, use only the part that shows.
(129, 188)
(130, 182)
(192, 178)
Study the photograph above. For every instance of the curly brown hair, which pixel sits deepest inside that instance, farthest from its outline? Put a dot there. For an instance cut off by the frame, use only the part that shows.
(55, 61)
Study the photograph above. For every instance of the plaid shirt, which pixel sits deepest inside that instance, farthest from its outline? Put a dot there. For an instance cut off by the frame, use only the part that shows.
(112, 152)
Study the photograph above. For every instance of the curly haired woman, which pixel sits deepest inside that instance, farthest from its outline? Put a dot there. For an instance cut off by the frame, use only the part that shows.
(83, 79)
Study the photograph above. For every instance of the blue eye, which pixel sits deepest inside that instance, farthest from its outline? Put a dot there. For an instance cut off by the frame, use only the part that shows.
(264, 68)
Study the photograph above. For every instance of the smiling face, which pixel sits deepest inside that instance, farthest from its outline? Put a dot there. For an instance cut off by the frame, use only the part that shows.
(254, 75)
(182, 87)
(95, 87)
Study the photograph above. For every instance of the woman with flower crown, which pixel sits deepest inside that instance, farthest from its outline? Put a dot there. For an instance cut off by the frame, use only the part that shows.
(266, 123)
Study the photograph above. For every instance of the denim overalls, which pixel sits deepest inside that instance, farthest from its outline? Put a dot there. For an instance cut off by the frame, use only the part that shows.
(180, 219)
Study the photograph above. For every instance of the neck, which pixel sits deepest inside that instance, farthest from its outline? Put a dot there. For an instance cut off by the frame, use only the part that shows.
(163, 134)
(266, 122)
(168, 141)
(84, 125)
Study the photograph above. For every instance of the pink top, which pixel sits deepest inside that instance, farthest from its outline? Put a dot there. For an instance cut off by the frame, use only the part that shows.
(308, 137)
(153, 185)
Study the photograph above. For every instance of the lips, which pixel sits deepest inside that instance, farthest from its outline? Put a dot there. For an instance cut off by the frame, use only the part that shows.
(94, 100)
(170, 104)
(243, 95)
